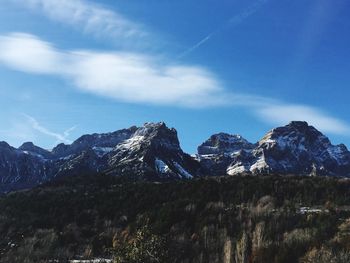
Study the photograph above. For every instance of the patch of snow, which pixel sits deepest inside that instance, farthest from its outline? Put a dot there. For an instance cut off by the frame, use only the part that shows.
(161, 166)
(205, 156)
(182, 171)
(310, 210)
(337, 153)
(67, 157)
(33, 154)
(130, 143)
(260, 164)
(284, 142)
(234, 153)
(147, 129)
(269, 141)
(101, 151)
(236, 169)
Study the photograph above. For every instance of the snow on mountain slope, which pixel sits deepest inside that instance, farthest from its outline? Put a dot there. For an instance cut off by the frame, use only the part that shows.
(217, 153)
(153, 152)
(150, 152)
(223, 143)
(296, 148)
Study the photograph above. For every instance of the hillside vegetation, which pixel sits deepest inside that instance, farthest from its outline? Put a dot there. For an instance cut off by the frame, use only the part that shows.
(223, 220)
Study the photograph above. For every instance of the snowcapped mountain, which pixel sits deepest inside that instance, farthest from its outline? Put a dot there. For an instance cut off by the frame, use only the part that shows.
(216, 154)
(293, 149)
(151, 152)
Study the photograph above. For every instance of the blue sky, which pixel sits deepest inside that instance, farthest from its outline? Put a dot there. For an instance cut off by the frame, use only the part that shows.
(71, 67)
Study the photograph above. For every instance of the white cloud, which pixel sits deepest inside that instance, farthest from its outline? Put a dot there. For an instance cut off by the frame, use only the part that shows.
(27, 53)
(130, 77)
(136, 78)
(87, 16)
(281, 114)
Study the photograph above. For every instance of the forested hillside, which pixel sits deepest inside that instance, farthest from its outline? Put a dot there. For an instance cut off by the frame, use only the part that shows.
(224, 219)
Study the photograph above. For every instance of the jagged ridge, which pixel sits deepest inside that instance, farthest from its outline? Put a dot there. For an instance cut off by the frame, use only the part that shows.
(296, 148)
(153, 152)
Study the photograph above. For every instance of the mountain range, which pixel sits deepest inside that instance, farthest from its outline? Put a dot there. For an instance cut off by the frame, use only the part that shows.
(152, 152)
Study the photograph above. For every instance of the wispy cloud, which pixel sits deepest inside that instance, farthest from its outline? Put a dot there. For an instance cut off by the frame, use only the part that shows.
(88, 17)
(136, 78)
(277, 112)
(68, 132)
(24, 128)
(26, 53)
(197, 45)
(35, 125)
(280, 114)
(17, 132)
(233, 21)
(130, 77)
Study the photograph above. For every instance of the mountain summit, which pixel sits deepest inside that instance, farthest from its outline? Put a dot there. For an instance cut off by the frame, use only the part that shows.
(150, 152)
(296, 148)
(153, 152)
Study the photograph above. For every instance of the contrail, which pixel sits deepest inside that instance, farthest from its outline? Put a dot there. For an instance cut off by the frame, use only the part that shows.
(188, 51)
(38, 127)
(233, 21)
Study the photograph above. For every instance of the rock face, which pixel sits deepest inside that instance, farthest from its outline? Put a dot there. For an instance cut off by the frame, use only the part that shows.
(217, 153)
(19, 167)
(297, 149)
(151, 152)
(31, 149)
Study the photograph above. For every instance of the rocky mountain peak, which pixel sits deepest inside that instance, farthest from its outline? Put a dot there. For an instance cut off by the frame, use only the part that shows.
(33, 149)
(153, 150)
(217, 153)
(4, 145)
(222, 143)
(27, 146)
(296, 148)
(152, 127)
(151, 135)
(298, 124)
(60, 150)
(296, 135)
(159, 134)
